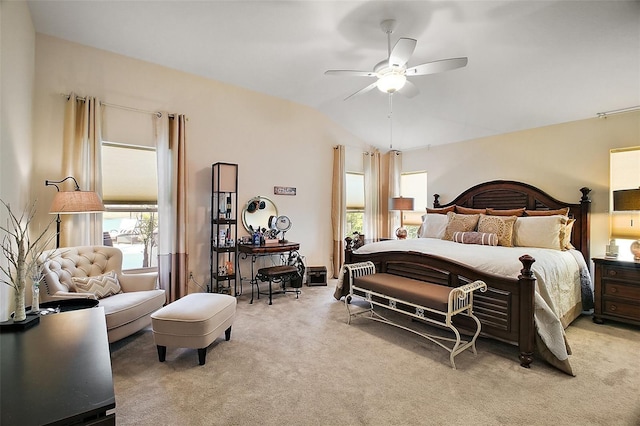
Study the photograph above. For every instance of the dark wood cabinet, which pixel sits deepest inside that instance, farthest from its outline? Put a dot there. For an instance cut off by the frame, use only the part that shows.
(617, 291)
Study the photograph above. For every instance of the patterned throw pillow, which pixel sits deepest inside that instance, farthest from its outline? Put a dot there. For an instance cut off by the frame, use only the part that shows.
(481, 238)
(100, 285)
(460, 223)
(502, 226)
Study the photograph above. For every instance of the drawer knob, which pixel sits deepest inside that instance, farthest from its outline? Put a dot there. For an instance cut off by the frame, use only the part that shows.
(614, 289)
(612, 272)
(612, 308)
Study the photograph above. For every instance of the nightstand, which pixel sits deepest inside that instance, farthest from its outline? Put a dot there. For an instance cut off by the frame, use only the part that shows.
(617, 290)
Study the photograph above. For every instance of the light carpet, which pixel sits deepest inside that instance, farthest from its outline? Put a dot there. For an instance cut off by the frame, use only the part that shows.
(297, 362)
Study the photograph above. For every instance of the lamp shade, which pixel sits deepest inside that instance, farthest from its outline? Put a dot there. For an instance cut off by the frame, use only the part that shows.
(76, 202)
(401, 203)
(626, 200)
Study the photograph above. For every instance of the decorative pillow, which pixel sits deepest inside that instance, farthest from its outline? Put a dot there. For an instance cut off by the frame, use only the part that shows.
(540, 231)
(482, 238)
(467, 210)
(567, 235)
(433, 226)
(443, 210)
(460, 223)
(500, 225)
(100, 285)
(563, 212)
(510, 212)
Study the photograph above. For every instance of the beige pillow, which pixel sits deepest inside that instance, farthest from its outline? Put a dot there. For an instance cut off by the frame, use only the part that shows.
(540, 231)
(100, 285)
(460, 223)
(433, 226)
(567, 235)
(502, 226)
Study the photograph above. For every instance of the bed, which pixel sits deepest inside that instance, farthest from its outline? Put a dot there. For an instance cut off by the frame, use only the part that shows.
(526, 303)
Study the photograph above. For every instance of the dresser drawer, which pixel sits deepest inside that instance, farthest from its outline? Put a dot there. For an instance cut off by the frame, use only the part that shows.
(622, 309)
(621, 273)
(621, 290)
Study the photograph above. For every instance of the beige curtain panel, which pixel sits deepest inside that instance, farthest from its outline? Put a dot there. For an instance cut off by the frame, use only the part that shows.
(81, 150)
(172, 205)
(372, 189)
(338, 208)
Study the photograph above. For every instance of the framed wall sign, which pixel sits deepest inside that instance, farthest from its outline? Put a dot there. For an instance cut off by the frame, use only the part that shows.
(284, 190)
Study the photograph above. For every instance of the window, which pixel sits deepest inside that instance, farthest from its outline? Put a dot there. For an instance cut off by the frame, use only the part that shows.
(414, 185)
(130, 194)
(624, 174)
(355, 203)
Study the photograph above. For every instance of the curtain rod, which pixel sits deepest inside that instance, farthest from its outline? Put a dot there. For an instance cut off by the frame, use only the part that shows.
(126, 108)
(617, 111)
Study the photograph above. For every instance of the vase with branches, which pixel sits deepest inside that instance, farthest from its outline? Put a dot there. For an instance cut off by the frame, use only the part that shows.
(22, 253)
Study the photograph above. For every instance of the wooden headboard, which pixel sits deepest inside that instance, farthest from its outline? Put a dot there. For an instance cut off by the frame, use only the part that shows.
(505, 194)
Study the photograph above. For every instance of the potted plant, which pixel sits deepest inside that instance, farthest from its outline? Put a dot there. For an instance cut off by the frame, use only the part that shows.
(22, 253)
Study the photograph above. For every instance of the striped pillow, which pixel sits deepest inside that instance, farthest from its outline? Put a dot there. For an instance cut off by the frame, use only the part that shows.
(100, 285)
(482, 238)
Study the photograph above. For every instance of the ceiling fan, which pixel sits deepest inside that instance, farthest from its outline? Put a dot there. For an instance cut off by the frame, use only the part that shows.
(392, 73)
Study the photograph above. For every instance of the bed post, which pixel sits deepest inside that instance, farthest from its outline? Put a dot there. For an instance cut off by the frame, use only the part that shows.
(585, 236)
(347, 249)
(527, 284)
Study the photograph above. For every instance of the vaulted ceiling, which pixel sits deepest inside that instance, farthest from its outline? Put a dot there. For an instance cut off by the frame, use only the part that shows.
(531, 63)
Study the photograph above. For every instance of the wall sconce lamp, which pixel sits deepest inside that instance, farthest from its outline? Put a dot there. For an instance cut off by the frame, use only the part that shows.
(628, 200)
(72, 202)
(401, 204)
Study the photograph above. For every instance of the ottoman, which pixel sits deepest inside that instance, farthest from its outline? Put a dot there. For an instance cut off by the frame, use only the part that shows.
(194, 321)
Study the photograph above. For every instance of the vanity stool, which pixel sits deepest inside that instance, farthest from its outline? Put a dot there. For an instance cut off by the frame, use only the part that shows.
(277, 274)
(194, 321)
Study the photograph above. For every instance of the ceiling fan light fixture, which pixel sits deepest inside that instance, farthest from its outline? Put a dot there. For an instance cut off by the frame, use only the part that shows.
(391, 82)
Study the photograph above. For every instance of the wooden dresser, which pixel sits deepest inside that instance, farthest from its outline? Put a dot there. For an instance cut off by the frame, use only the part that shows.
(617, 290)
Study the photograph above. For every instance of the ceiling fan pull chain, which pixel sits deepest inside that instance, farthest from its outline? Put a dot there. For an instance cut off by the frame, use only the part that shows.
(390, 120)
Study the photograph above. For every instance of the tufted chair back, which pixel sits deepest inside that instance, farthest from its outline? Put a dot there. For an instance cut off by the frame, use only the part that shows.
(61, 264)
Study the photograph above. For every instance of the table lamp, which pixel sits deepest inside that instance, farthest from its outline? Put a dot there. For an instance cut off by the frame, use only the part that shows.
(627, 200)
(401, 204)
(72, 202)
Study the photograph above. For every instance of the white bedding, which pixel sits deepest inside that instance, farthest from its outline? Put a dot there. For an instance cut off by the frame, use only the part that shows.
(558, 285)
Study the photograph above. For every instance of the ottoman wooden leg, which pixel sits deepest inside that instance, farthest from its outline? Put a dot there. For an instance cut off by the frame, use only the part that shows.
(227, 334)
(162, 353)
(202, 355)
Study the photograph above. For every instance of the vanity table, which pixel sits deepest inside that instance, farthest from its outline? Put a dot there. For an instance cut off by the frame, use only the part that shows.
(254, 252)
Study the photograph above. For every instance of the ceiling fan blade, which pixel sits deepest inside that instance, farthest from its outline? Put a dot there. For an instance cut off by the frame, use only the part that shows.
(402, 51)
(351, 73)
(409, 90)
(437, 66)
(361, 91)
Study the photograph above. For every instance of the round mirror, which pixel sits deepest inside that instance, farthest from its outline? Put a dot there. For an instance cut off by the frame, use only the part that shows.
(257, 213)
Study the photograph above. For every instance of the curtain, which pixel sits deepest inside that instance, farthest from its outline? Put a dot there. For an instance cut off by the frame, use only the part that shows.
(172, 205)
(81, 158)
(372, 189)
(395, 170)
(338, 208)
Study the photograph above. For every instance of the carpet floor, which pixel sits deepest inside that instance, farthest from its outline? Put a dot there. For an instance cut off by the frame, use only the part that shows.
(297, 362)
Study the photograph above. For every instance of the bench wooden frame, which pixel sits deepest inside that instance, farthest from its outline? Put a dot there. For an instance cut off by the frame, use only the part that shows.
(460, 301)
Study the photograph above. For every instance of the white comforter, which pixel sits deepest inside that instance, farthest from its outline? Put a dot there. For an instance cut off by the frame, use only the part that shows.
(557, 276)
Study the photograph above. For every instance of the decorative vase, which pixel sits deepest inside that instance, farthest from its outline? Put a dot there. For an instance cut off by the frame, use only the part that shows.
(35, 297)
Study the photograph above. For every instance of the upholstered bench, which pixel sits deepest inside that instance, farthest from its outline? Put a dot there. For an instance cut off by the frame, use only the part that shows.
(428, 302)
(194, 321)
(278, 274)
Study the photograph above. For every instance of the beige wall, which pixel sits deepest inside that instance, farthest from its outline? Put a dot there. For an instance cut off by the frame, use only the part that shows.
(275, 142)
(559, 159)
(17, 57)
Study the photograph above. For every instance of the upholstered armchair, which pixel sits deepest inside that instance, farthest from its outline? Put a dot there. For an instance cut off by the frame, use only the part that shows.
(95, 272)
